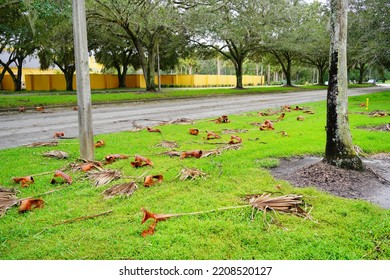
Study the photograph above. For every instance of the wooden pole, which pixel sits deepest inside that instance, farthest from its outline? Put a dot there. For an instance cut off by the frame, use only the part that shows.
(83, 81)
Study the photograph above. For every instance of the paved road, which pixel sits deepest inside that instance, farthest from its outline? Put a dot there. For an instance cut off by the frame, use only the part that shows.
(18, 129)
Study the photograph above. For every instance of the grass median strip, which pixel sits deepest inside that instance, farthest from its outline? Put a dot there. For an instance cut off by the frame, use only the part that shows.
(344, 228)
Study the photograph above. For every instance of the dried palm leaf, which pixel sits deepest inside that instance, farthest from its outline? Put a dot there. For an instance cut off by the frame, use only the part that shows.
(7, 199)
(136, 127)
(64, 176)
(172, 153)
(150, 180)
(211, 153)
(191, 173)
(178, 121)
(125, 189)
(230, 147)
(168, 144)
(30, 203)
(42, 144)
(286, 204)
(193, 131)
(195, 154)
(86, 166)
(218, 151)
(149, 129)
(103, 177)
(56, 154)
(24, 181)
(234, 131)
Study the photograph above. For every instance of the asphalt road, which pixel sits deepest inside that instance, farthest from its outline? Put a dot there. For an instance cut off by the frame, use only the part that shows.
(18, 129)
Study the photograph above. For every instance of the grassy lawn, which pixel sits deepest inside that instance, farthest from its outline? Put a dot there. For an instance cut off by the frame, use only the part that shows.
(34, 99)
(342, 228)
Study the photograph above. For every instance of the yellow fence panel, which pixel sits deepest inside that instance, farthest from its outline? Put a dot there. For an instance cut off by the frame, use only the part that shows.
(108, 81)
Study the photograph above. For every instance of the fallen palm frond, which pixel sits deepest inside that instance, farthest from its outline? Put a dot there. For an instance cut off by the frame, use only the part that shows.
(218, 151)
(290, 204)
(113, 157)
(140, 161)
(42, 144)
(24, 181)
(150, 180)
(178, 121)
(168, 144)
(83, 218)
(234, 131)
(64, 176)
(86, 166)
(150, 129)
(234, 139)
(136, 127)
(193, 131)
(195, 154)
(191, 173)
(31, 203)
(172, 153)
(212, 135)
(125, 189)
(56, 154)
(103, 177)
(7, 199)
(100, 143)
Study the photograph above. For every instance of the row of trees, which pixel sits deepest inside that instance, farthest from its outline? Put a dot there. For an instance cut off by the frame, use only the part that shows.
(138, 33)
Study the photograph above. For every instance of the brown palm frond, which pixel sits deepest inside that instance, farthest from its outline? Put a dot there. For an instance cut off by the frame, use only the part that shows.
(7, 199)
(56, 154)
(42, 144)
(86, 166)
(178, 121)
(211, 153)
(234, 131)
(103, 177)
(168, 144)
(172, 153)
(136, 127)
(125, 189)
(290, 204)
(218, 151)
(191, 173)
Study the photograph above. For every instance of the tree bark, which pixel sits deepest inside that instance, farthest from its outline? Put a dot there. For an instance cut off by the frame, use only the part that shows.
(68, 73)
(339, 150)
(362, 69)
(238, 68)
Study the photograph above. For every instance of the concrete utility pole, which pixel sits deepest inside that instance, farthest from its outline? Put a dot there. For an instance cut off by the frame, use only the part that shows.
(82, 79)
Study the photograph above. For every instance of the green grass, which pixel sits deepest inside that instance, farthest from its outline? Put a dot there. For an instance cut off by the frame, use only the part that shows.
(345, 228)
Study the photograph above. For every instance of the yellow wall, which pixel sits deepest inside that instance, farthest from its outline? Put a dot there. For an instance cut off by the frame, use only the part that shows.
(107, 81)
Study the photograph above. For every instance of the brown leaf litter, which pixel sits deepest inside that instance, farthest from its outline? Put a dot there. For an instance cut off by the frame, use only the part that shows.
(125, 189)
(103, 177)
(56, 154)
(373, 184)
(7, 199)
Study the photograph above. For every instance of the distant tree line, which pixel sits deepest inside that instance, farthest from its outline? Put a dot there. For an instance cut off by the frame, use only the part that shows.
(291, 37)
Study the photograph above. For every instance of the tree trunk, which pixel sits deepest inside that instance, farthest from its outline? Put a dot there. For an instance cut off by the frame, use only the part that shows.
(150, 74)
(18, 82)
(122, 76)
(69, 77)
(238, 68)
(321, 71)
(362, 69)
(339, 150)
(287, 72)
